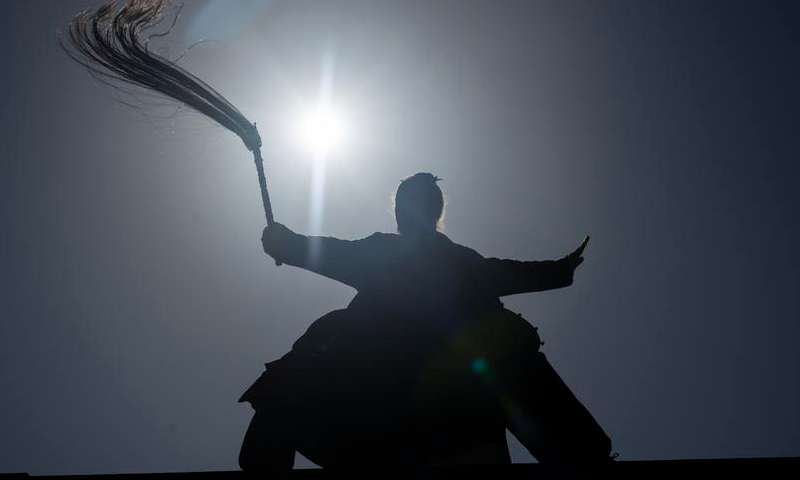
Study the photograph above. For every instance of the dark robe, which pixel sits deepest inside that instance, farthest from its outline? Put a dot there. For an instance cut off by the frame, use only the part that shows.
(423, 366)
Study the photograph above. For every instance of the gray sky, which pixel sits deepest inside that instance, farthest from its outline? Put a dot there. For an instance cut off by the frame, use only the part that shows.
(137, 304)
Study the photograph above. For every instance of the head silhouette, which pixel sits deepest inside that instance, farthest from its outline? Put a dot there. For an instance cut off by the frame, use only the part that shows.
(418, 205)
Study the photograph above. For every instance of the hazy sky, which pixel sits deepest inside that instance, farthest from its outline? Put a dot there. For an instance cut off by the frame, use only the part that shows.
(137, 303)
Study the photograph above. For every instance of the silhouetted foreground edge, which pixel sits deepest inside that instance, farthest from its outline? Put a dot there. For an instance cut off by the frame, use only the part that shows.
(773, 467)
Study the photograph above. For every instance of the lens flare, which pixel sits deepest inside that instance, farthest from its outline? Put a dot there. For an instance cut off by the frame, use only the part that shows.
(479, 365)
(321, 131)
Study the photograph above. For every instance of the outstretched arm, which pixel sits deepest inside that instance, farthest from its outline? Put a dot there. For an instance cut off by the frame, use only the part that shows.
(508, 277)
(327, 256)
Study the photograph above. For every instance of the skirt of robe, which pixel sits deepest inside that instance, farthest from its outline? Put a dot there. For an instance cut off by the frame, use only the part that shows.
(357, 392)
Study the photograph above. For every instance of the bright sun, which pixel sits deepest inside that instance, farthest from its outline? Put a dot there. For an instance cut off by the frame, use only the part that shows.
(321, 131)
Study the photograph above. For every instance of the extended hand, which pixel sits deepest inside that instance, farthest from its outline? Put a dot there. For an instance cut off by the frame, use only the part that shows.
(576, 258)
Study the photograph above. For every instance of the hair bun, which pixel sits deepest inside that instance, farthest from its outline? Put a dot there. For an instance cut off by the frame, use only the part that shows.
(422, 177)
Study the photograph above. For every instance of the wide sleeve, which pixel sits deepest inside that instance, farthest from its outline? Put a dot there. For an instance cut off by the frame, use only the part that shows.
(508, 277)
(346, 261)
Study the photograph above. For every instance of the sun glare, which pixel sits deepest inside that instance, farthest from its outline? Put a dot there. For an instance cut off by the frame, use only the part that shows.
(321, 131)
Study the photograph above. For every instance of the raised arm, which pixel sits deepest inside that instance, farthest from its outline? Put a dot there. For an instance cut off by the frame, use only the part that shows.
(327, 256)
(509, 277)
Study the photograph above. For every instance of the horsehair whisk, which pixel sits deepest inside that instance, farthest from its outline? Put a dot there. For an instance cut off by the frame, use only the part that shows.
(110, 46)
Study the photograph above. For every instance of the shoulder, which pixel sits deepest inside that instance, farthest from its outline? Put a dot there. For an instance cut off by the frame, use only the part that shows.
(378, 242)
(461, 251)
(380, 238)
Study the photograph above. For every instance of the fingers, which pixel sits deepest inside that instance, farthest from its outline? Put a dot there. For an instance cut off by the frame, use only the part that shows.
(575, 257)
(275, 234)
(579, 250)
(275, 228)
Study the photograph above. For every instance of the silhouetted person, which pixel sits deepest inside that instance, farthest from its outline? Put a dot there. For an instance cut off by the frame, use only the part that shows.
(424, 366)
